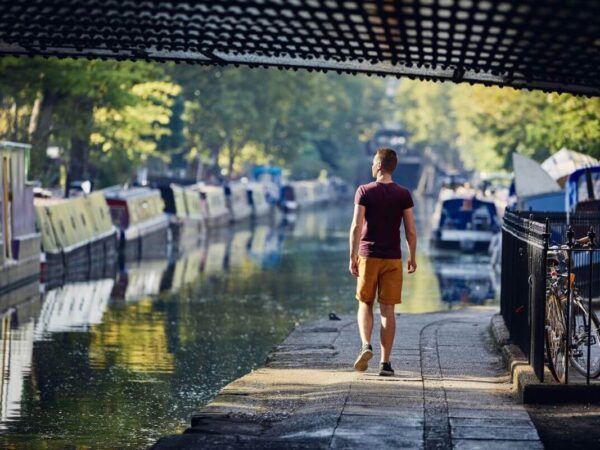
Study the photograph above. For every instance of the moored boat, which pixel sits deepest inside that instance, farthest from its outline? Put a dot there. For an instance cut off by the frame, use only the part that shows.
(462, 221)
(19, 240)
(257, 198)
(236, 196)
(184, 208)
(214, 205)
(78, 237)
(138, 213)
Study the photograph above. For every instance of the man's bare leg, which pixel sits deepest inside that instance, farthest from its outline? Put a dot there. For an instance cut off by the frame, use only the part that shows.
(388, 330)
(365, 321)
(365, 327)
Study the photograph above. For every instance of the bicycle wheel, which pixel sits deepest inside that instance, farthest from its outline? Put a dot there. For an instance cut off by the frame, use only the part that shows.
(579, 340)
(556, 339)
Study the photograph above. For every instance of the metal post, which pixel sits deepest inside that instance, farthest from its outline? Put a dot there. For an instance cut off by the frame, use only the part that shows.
(592, 236)
(570, 242)
(542, 317)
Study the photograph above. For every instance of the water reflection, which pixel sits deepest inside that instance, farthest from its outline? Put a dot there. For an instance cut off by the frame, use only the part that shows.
(120, 362)
(465, 280)
(73, 307)
(133, 337)
(17, 328)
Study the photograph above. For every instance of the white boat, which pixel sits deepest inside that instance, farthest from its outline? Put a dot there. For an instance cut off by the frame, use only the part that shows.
(462, 221)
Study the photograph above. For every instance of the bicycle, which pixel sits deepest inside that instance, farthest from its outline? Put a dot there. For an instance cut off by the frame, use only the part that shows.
(582, 341)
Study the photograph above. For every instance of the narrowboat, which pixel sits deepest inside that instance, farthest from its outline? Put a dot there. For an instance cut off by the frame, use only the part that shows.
(257, 199)
(138, 213)
(462, 221)
(214, 205)
(305, 194)
(269, 177)
(184, 208)
(20, 242)
(310, 192)
(78, 237)
(236, 196)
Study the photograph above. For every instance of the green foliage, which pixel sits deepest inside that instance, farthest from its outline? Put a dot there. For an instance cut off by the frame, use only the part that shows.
(124, 138)
(485, 125)
(110, 116)
(426, 110)
(239, 116)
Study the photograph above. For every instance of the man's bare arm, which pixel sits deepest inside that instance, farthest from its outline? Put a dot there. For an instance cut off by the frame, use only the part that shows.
(410, 230)
(355, 231)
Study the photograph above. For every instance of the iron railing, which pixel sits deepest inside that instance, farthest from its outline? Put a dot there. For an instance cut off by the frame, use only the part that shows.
(526, 238)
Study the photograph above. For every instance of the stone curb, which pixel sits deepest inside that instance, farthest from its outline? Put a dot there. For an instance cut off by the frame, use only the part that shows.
(526, 384)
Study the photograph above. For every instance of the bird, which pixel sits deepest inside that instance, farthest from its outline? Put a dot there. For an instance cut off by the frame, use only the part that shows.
(333, 316)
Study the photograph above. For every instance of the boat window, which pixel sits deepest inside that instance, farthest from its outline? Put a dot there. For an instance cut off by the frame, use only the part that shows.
(73, 222)
(83, 220)
(466, 214)
(62, 227)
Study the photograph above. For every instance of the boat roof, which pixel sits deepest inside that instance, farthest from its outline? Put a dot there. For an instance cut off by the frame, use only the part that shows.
(461, 194)
(531, 178)
(122, 193)
(14, 145)
(565, 161)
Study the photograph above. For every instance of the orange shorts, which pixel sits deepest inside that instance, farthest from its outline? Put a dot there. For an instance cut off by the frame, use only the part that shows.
(379, 276)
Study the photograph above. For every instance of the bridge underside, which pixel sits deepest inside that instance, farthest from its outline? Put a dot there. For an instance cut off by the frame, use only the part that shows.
(552, 45)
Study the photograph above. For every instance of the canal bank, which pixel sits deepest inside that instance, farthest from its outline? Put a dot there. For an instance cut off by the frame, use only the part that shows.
(450, 390)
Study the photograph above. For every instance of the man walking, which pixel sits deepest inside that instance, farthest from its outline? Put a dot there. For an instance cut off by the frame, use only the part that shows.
(375, 255)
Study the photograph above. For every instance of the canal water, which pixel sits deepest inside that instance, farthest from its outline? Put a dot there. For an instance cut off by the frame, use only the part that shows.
(118, 363)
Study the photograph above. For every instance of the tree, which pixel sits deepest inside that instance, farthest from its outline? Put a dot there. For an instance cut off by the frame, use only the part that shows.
(485, 125)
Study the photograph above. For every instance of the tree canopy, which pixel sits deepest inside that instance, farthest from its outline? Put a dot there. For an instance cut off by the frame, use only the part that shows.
(485, 125)
(110, 117)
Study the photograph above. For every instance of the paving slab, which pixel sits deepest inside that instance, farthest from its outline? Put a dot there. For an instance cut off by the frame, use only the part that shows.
(450, 390)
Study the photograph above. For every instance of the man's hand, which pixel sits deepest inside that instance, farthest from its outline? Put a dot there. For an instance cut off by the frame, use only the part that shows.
(412, 265)
(353, 267)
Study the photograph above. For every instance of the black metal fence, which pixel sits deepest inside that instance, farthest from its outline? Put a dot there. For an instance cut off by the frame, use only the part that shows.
(526, 238)
(580, 223)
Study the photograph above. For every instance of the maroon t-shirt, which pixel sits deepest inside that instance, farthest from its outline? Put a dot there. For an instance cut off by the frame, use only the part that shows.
(384, 205)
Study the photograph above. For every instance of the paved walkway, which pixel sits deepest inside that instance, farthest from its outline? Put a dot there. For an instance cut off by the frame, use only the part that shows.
(450, 391)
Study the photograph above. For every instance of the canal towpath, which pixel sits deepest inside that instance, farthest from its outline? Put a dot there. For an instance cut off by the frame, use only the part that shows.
(450, 390)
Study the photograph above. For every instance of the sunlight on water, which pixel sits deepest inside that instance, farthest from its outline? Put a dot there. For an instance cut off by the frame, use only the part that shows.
(119, 363)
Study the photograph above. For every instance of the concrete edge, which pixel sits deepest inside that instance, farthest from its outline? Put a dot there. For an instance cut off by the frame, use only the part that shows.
(528, 388)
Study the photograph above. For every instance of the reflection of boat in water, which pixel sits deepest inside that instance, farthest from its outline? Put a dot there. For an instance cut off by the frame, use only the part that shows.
(265, 247)
(16, 342)
(214, 257)
(184, 270)
(463, 221)
(140, 280)
(465, 282)
(237, 249)
(73, 307)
